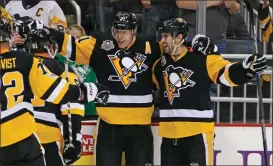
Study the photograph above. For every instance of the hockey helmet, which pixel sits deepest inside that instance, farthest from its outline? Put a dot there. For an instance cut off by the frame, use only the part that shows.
(41, 41)
(174, 26)
(6, 25)
(125, 20)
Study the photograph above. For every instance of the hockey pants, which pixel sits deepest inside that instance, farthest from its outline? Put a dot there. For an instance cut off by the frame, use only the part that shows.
(27, 152)
(53, 153)
(195, 150)
(135, 140)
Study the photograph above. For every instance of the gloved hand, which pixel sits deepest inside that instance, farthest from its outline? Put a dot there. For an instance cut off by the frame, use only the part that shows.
(27, 25)
(72, 152)
(255, 62)
(95, 92)
(201, 43)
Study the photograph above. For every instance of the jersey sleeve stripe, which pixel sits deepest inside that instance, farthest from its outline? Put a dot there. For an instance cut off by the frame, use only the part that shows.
(45, 116)
(74, 111)
(59, 91)
(17, 108)
(75, 108)
(47, 94)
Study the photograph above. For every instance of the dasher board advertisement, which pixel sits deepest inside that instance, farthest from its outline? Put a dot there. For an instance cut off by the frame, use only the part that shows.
(233, 144)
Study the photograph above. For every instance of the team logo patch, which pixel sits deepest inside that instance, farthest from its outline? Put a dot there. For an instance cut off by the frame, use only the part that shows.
(127, 65)
(176, 79)
(107, 45)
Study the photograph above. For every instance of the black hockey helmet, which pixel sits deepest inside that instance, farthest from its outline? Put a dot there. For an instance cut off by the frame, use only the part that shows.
(41, 41)
(125, 20)
(174, 26)
(6, 25)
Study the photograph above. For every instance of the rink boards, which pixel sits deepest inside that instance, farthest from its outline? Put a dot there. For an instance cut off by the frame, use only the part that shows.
(234, 144)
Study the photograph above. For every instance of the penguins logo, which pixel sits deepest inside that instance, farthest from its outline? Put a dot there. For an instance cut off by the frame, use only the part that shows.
(176, 79)
(127, 66)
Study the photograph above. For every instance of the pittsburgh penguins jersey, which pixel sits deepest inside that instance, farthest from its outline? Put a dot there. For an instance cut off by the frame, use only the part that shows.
(127, 73)
(184, 83)
(266, 25)
(48, 115)
(21, 76)
(47, 11)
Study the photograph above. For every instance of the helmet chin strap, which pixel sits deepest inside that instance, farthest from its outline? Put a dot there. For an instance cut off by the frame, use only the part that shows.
(50, 54)
(176, 46)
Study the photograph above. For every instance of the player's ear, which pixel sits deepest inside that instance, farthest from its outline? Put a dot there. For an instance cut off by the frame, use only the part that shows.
(178, 38)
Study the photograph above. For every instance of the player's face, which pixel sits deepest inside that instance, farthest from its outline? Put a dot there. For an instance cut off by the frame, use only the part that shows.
(167, 42)
(124, 37)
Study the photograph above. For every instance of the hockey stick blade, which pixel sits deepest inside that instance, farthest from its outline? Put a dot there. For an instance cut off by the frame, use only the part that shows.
(258, 81)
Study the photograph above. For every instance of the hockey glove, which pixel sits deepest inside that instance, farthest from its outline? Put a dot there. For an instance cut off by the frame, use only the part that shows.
(202, 44)
(255, 62)
(28, 26)
(72, 152)
(95, 92)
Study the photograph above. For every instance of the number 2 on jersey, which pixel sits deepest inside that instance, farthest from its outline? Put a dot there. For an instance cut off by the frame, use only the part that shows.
(13, 93)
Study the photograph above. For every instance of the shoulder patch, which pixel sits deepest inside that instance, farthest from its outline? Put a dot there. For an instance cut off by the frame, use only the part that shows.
(107, 45)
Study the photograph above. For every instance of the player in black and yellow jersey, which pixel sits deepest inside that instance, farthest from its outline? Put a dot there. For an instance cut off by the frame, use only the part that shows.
(123, 62)
(48, 115)
(21, 76)
(184, 77)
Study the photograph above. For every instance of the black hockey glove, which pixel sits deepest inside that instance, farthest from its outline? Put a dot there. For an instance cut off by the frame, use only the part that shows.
(72, 152)
(95, 92)
(25, 26)
(202, 44)
(255, 62)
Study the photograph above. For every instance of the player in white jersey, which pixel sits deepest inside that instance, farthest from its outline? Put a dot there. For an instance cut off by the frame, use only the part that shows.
(47, 11)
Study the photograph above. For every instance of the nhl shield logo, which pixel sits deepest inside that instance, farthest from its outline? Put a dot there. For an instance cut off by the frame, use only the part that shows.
(107, 45)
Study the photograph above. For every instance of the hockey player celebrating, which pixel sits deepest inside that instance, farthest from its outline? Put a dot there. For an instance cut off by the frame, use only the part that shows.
(47, 115)
(123, 62)
(184, 78)
(21, 77)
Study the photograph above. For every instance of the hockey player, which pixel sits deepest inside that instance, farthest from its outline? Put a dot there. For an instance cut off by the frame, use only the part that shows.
(21, 76)
(184, 78)
(123, 62)
(47, 115)
(47, 11)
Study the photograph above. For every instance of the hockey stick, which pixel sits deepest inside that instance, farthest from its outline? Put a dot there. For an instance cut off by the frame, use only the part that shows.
(258, 81)
(68, 109)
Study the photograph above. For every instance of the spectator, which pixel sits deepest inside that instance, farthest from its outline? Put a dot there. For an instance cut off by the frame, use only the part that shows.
(219, 10)
(76, 31)
(108, 9)
(237, 27)
(156, 11)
